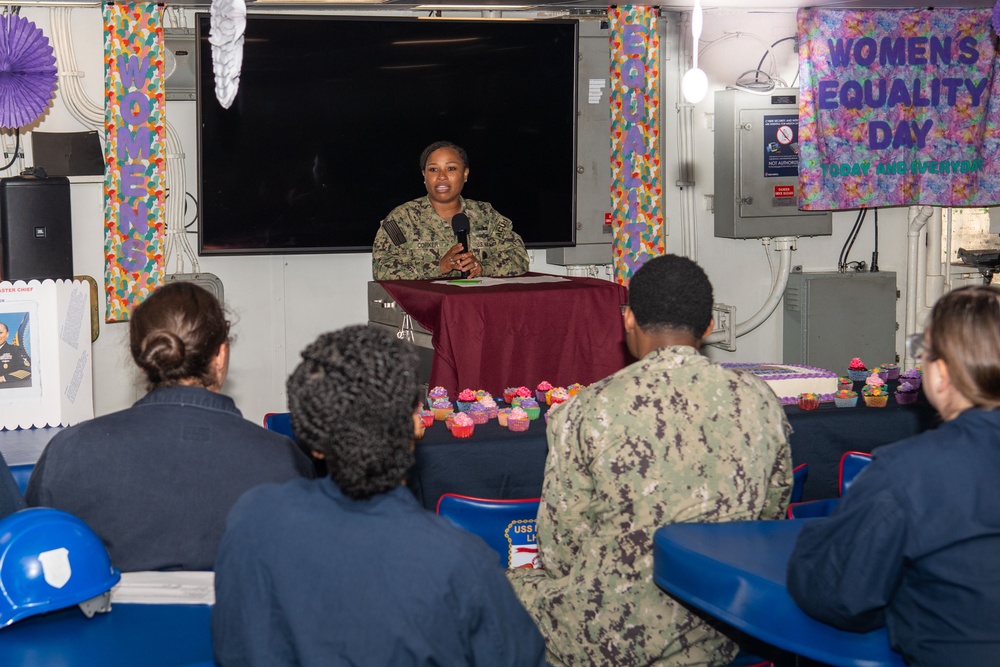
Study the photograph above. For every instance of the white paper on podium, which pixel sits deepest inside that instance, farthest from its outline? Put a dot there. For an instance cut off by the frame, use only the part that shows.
(489, 282)
(165, 588)
(50, 321)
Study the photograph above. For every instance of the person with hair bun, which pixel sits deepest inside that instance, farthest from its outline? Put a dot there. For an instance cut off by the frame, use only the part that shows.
(914, 545)
(155, 481)
(351, 569)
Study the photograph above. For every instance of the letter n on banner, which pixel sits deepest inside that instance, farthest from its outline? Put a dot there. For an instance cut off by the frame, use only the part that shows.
(637, 209)
(135, 134)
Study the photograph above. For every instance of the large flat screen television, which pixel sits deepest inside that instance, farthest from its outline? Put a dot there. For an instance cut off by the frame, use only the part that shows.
(324, 136)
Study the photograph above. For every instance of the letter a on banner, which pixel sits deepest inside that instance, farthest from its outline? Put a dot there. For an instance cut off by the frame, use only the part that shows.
(135, 134)
(636, 205)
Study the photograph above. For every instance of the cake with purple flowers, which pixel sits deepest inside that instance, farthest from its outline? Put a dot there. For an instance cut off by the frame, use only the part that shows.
(790, 380)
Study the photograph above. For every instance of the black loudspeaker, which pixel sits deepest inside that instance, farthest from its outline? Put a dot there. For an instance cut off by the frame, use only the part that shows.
(36, 234)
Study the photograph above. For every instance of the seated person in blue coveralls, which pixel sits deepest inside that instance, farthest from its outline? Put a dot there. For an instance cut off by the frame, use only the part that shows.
(350, 569)
(914, 545)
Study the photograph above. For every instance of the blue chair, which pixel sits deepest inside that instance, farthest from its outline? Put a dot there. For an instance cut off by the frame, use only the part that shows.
(507, 526)
(799, 474)
(22, 473)
(279, 422)
(851, 465)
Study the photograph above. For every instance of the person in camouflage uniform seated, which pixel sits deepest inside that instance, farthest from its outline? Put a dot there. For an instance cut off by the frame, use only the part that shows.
(671, 438)
(416, 240)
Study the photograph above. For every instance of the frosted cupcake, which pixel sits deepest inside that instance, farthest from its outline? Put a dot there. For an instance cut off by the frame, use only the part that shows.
(428, 417)
(874, 392)
(558, 395)
(891, 371)
(906, 393)
(518, 420)
(437, 393)
(491, 407)
(808, 401)
(502, 416)
(508, 394)
(543, 387)
(465, 399)
(441, 408)
(480, 413)
(844, 382)
(462, 426)
(913, 376)
(856, 370)
(845, 398)
(530, 406)
(574, 388)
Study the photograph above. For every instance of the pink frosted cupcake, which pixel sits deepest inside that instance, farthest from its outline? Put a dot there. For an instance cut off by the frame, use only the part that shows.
(518, 420)
(462, 426)
(543, 387)
(856, 370)
(465, 399)
(502, 416)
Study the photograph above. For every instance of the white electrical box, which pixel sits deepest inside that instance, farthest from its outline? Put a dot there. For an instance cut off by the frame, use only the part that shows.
(757, 167)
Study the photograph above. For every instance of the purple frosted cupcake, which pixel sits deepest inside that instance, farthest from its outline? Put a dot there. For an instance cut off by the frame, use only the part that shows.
(891, 371)
(913, 376)
(491, 407)
(531, 406)
(480, 413)
(906, 393)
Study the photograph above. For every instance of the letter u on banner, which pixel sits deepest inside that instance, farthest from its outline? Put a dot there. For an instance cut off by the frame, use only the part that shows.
(135, 143)
(637, 209)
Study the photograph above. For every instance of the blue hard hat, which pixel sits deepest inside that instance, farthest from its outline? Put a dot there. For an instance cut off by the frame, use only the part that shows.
(50, 560)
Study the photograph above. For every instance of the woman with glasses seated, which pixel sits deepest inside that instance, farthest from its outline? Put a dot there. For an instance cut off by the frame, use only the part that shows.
(914, 545)
(156, 481)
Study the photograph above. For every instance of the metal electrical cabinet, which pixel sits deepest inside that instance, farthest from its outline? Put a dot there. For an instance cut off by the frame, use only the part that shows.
(833, 317)
(593, 232)
(757, 167)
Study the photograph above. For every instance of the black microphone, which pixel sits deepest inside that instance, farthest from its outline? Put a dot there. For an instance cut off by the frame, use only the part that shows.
(460, 225)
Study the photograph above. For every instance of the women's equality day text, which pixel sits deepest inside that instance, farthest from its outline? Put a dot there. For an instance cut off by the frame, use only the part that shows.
(879, 93)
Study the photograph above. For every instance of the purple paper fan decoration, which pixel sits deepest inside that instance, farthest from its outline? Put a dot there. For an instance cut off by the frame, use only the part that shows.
(27, 72)
(996, 17)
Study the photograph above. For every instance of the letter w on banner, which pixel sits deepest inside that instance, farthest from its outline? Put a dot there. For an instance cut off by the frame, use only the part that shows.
(135, 133)
(898, 107)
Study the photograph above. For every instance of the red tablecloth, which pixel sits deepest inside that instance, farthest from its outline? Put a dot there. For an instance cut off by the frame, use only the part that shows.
(518, 333)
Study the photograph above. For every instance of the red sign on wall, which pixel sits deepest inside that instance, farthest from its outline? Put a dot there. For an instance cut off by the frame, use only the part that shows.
(784, 191)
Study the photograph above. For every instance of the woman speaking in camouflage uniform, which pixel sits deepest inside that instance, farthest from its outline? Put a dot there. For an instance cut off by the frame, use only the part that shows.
(416, 240)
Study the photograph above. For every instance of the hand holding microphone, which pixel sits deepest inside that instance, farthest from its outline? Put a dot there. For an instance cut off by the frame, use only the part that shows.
(458, 257)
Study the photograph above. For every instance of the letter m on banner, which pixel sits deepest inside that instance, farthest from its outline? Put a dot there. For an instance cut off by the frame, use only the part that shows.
(135, 134)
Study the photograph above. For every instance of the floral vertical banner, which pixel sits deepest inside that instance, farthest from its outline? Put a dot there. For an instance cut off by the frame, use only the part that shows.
(135, 133)
(636, 205)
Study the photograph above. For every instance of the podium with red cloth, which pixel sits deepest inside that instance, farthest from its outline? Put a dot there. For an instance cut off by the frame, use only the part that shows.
(516, 331)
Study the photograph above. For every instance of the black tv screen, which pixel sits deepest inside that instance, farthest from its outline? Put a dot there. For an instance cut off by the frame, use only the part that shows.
(324, 136)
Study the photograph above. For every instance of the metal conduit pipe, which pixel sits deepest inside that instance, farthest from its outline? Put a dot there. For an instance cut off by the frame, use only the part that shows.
(783, 245)
(918, 217)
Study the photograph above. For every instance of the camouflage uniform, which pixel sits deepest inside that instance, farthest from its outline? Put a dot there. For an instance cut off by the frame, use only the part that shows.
(671, 438)
(413, 238)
